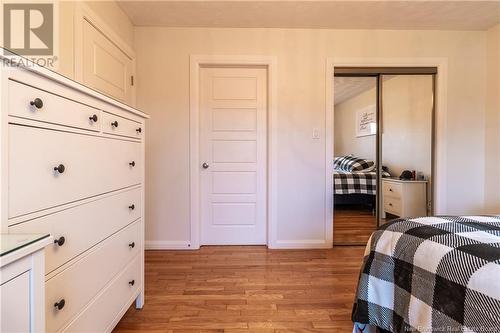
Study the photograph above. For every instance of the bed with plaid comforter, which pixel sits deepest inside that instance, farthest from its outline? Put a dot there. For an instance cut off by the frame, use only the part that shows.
(355, 182)
(360, 182)
(431, 274)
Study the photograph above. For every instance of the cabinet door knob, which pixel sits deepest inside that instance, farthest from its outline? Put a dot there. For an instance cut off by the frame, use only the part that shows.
(132, 164)
(37, 102)
(205, 165)
(139, 130)
(132, 245)
(114, 124)
(94, 118)
(60, 305)
(60, 168)
(131, 207)
(60, 241)
(131, 282)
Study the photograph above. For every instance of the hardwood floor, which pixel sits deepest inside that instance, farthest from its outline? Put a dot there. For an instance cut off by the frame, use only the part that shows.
(237, 289)
(352, 226)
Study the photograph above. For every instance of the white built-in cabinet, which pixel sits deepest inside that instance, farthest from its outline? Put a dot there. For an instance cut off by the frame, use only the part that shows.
(72, 166)
(102, 60)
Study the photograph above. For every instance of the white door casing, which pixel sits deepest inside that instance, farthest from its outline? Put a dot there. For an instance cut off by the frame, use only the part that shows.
(233, 144)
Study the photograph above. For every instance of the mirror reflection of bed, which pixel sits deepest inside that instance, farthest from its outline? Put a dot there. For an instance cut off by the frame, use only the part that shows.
(402, 148)
(355, 178)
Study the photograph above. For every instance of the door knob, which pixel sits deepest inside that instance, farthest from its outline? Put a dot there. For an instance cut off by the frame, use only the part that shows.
(205, 165)
(114, 124)
(93, 118)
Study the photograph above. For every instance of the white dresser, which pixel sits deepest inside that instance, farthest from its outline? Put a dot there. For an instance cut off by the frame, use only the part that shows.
(72, 165)
(404, 198)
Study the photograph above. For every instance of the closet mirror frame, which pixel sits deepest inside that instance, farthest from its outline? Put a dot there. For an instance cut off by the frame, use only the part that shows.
(378, 73)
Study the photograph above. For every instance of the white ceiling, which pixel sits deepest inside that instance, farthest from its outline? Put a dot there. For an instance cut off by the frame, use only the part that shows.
(348, 87)
(333, 14)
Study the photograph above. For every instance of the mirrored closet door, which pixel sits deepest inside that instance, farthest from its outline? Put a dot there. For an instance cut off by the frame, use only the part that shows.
(355, 152)
(383, 148)
(406, 141)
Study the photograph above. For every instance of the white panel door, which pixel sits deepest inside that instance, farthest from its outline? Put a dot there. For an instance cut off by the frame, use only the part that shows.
(233, 113)
(105, 66)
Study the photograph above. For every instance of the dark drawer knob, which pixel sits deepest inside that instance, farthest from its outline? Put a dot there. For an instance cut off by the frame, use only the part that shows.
(131, 282)
(94, 118)
(60, 305)
(60, 168)
(132, 245)
(132, 164)
(37, 102)
(114, 124)
(139, 130)
(60, 241)
(131, 207)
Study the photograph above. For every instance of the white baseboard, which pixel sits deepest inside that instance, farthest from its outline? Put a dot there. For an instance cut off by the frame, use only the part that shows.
(281, 244)
(168, 245)
(301, 244)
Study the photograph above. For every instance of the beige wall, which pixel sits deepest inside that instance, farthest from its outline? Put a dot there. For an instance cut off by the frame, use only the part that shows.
(345, 140)
(108, 11)
(492, 123)
(407, 124)
(163, 91)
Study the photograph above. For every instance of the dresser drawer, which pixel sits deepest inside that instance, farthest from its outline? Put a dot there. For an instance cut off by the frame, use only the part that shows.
(92, 166)
(393, 206)
(117, 296)
(96, 220)
(391, 189)
(51, 108)
(81, 282)
(112, 124)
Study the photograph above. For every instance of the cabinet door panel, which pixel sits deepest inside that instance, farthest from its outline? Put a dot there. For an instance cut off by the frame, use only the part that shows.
(15, 306)
(105, 66)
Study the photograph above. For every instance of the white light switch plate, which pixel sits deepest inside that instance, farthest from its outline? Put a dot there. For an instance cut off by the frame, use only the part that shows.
(315, 134)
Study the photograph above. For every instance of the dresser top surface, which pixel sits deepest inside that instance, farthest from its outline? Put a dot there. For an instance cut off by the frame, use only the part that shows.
(10, 243)
(397, 180)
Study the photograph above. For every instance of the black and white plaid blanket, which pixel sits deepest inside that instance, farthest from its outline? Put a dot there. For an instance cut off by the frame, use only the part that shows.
(346, 182)
(355, 182)
(431, 274)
